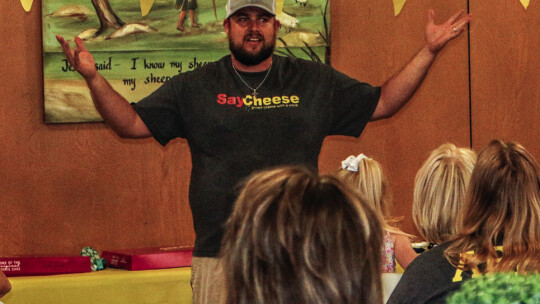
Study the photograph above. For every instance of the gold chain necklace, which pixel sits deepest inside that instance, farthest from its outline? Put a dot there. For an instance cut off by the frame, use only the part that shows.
(260, 84)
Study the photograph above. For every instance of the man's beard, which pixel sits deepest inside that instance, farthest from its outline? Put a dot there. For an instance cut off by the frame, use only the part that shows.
(250, 59)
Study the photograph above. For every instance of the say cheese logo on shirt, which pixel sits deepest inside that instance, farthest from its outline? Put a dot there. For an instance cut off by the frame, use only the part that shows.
(254, 102)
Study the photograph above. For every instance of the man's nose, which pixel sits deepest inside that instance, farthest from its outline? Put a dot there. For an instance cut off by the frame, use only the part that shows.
(254, 24)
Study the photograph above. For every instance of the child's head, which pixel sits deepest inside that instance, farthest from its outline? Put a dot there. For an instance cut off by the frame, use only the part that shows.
(297, 237)
(439, 192)
(365, 175)
(503, 208)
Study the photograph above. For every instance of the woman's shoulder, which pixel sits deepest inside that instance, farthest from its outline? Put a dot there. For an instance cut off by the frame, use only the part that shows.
(429, 274)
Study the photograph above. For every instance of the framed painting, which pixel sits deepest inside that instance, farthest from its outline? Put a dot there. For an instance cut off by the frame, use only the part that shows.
(139, 45)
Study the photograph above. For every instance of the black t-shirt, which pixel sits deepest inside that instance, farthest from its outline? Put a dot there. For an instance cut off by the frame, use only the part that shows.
(430, 278)
(231, 134)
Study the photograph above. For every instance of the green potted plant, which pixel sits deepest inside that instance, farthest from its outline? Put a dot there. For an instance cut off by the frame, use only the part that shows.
(499, 288)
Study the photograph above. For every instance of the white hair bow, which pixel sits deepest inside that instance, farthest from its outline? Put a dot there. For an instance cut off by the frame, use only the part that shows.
(351, 162)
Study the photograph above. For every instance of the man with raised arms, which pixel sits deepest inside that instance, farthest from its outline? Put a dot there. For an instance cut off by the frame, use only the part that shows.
(230, 140)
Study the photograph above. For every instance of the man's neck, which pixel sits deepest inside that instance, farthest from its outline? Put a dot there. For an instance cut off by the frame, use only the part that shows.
(263, 66)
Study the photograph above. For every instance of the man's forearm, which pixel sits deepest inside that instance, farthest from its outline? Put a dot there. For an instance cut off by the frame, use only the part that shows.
(397, 90)
(115, 109)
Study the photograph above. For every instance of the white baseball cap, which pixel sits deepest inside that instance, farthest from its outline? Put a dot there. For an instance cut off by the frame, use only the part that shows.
(234, 5)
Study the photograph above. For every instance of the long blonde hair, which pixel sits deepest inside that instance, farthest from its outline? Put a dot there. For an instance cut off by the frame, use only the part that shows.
(503, 208)
(297, 237)
(370, 182)
(440, 187)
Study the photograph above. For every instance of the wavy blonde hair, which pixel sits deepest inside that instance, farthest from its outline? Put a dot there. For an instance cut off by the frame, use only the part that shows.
(370, 182)
(503, 208)
(440, 187)
(297, 237)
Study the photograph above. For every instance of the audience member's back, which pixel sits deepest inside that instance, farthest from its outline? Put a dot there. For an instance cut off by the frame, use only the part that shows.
(499, 233)
(297, 237)
(5, 286)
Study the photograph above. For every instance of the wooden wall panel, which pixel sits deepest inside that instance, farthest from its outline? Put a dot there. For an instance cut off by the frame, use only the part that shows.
(370, 44)
(63, 187)
(505, 73)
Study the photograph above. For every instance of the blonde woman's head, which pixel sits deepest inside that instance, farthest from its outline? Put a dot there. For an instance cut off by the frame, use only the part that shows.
(297, 237)
(440, 190)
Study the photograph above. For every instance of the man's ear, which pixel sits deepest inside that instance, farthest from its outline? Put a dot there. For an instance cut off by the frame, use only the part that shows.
(278, 24)
(227, 26)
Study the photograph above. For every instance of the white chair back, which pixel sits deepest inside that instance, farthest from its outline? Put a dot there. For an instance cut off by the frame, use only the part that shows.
(389, 282)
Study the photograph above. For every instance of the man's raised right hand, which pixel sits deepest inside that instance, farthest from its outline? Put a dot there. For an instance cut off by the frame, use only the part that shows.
(79, 58)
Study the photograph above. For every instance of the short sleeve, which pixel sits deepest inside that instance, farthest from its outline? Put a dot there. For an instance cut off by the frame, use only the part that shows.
(353, 104)
(161, 111)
